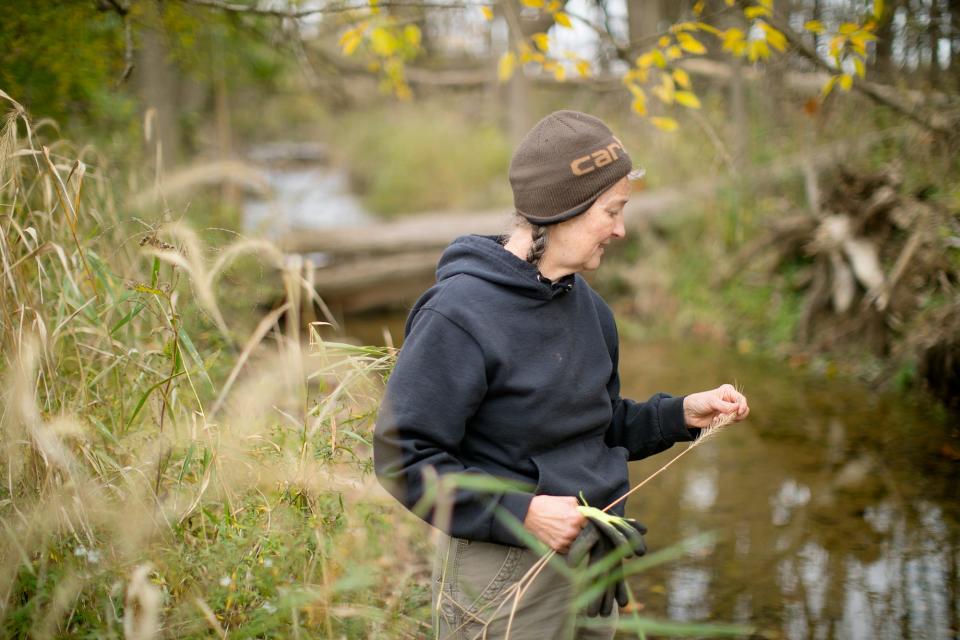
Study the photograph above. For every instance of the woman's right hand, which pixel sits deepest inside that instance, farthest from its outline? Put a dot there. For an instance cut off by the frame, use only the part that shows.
(555, 520)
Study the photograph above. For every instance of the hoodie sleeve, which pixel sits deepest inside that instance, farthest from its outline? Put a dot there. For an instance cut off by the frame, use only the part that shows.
(436, 386)
(643, 428)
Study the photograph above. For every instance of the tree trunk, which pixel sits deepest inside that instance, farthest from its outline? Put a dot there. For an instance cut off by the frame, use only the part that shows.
(933, 33)
(157, 84)
(643, 20)
(954, 28)
(884, 48)
(518, 120)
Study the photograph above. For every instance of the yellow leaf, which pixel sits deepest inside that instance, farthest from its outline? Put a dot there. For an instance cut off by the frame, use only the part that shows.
(814, 26)
(690, 44)
(687, 99)
(349, 41)
(674, 52)
(533, 4)
(878, 9)
(384, 44)
(858, 65)
(526, 53)
(636, 90)
(683, 26)
(758, 50)
(662, 94)
(541, 40)
(827, 88)
(560, 73)
(645, 60)
(658, 58)
(553, 6)
(663, 41)
(767, 3)
(635, 75)
(665, 124)
(732, 34)
(698, 7)
(849, 27)
(563, 19)
(864, 36)
(846, 81)
(755, 12)
(487, 13)
(506, 65)
(729, 2)
(412, 35)
(776, 39)
(583, 68)
(682, 78)
(836, 43)
(639, 105)
(665, 91)
(703, 26)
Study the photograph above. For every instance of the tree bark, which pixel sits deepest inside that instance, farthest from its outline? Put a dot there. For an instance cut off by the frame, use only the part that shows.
(158, 87)
(933, 33)
(884, 48)
(643, 20)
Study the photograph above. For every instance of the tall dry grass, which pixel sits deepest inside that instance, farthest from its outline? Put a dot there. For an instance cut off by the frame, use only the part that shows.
(158, 482)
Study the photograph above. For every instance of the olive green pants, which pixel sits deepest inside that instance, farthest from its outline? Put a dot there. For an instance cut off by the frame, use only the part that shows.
(473, 595)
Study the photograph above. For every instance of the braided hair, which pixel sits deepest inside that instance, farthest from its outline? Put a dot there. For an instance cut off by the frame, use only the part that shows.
(539, 244)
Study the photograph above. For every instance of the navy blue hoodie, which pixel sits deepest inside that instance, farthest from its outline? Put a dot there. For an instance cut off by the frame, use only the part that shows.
(506, 375)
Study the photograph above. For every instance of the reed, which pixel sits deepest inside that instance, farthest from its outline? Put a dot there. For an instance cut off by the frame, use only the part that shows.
(167, 472)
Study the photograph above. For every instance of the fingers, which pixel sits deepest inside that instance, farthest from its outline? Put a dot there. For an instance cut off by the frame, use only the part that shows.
(633, 536)
(731, 401)
(614, 535)
(636, 524)
(582, 544)
(606, 605)
(623, 599)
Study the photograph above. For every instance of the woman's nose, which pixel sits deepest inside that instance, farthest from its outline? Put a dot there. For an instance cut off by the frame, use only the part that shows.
(619, 230)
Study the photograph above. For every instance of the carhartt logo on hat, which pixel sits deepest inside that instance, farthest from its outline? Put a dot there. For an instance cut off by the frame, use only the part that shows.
(563, 165)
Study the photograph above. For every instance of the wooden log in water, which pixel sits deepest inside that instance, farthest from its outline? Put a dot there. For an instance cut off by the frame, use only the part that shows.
(376, 282)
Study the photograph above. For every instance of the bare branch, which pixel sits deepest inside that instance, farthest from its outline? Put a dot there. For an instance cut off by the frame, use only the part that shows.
(932, 122)
(233, 7)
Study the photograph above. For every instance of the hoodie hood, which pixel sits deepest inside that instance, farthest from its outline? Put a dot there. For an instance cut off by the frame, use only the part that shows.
(485, 258)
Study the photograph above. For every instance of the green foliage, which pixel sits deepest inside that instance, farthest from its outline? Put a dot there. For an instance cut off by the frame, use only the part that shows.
(410, 159)
(62, 58)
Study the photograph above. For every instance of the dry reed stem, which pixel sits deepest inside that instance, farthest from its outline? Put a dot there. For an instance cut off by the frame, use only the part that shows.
(719, 423)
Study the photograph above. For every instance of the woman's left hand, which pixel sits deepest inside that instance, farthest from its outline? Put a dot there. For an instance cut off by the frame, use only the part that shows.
(702, 409)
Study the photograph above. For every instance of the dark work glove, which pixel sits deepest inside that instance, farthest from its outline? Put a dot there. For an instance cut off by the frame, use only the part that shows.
(603, 534)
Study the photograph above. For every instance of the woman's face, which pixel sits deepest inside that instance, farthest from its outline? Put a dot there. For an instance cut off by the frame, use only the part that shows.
(578, 244)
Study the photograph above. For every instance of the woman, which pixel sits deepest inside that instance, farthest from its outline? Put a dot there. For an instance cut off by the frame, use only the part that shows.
(509, 370)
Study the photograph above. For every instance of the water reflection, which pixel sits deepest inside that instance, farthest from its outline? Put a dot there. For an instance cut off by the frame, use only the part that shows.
(836, 516)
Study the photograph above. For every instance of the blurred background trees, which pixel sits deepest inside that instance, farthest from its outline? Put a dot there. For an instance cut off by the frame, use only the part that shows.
(745, 108)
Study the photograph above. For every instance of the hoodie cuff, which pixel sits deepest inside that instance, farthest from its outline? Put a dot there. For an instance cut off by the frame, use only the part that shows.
(673, 425)
(516, 505)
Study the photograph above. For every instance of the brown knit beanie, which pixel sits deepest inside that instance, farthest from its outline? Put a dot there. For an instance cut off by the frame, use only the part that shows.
(563, 165)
